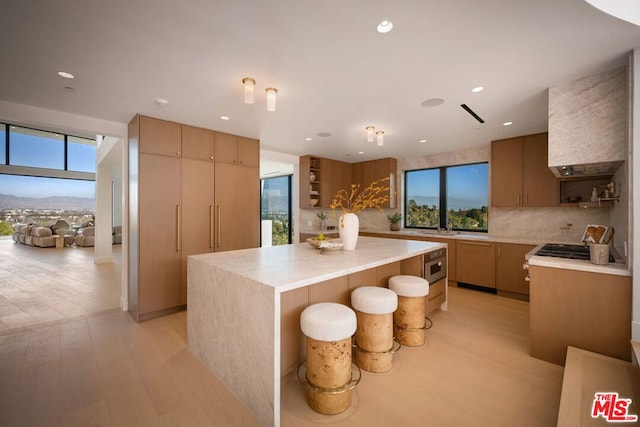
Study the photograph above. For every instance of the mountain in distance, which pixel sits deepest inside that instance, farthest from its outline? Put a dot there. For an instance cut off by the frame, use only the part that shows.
(455, 204)
(8, 201)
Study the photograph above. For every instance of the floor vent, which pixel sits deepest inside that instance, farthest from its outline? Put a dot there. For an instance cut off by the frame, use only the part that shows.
(473, 113)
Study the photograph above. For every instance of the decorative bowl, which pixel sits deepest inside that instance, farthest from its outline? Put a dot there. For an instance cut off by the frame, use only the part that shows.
(313, 202)
(326, 242)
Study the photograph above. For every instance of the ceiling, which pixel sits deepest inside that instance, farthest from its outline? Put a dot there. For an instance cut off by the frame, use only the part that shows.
(334, 72)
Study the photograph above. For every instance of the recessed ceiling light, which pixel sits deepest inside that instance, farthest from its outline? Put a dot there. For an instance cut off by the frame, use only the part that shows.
(308, 139)
(224, 117)
(433, 102)
(161, 102)
(385, 26)
(360, 152)
(422, 141)
(69, 89)
(477, 89)
(507, 123)
(323, 134)
(65, 75)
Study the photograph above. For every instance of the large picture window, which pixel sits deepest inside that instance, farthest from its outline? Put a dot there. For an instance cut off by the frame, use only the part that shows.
(3, 146)
(81, 154)
(36, 148)
(454, 197)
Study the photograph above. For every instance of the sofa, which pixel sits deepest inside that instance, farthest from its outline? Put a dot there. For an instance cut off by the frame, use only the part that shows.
(86, 236)
(40, 236)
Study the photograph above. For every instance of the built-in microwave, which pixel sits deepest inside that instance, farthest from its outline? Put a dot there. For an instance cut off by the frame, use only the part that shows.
(435, 265)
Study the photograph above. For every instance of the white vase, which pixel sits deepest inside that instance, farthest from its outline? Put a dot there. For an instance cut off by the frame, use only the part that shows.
(348, 227)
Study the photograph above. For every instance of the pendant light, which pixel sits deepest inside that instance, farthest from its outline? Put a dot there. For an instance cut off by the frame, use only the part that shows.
(370, 133)
(248, 84)
(379, 137)
(271, 98)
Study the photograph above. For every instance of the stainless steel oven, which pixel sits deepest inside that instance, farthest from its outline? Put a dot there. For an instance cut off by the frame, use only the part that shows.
(435, 265)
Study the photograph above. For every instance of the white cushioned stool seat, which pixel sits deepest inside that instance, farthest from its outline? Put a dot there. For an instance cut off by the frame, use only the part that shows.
(409, 286)
(374, 300)
(328, 321)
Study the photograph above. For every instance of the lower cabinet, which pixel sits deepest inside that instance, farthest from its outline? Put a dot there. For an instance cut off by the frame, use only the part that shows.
(510, 276)
(476, 263)
(437, 295)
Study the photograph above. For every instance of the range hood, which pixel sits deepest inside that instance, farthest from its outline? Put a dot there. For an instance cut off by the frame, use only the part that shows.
(591, 169)
(588, 133)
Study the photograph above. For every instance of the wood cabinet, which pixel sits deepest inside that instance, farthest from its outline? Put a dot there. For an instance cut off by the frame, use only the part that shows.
(520, 176)
(328, 175)
(159, 137)
(236, 150)
(173, 197)
(197, 143)
(364, 173)
(510, 276)
(237, 204)
(582, 309)
(476, 263)
(437, 295)
(197, 218)
(159, 280)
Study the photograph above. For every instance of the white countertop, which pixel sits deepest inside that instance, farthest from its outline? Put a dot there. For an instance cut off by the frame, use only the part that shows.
(289, 267)
(617, 268)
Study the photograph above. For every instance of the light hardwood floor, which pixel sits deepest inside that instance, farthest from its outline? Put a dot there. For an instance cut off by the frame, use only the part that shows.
(106, 370)
(44, 285)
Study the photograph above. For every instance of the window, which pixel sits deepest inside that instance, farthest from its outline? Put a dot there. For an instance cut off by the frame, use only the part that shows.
(81, 154)
(36, 148)
(3, 146)
(453, 197)
(275, 206)
(30, 199)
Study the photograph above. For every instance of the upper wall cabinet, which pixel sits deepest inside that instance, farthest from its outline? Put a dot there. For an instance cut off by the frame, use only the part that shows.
(197, 143)
(236, 150)
(160, 137)
(520, 176)
(364, 173)
(321, 179)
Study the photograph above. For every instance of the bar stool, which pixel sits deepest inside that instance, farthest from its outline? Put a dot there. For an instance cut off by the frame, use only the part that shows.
(374, 336)
(409, 318)
(328, 328)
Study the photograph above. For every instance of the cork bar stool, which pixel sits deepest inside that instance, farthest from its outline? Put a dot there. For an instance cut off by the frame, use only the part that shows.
(328, 328)
(409, 318)
(374, 335)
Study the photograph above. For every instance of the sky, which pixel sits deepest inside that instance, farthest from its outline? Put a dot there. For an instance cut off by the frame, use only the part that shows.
(46, 150)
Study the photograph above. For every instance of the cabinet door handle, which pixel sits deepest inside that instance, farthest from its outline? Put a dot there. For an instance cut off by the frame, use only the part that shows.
(474, 244)
(499, 252)
(218, 226)
(211, 226)
(178, 221)
(518, 200)
(526, 199)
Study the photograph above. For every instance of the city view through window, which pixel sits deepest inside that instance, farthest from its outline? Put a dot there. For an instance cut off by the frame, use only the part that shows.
(43, 201)
(51, 195)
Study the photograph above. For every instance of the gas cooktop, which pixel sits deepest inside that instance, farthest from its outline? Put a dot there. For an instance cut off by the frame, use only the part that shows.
(580, 252)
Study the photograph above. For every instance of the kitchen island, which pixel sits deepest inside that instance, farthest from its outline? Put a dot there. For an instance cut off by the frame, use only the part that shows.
(243, 306)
